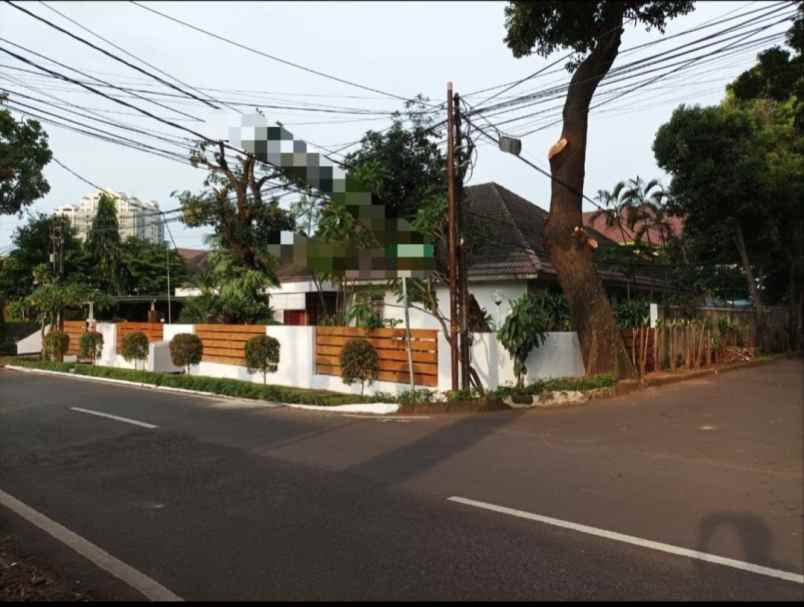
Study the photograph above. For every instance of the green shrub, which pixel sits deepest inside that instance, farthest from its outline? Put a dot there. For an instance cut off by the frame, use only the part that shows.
(186, 349)
(135, 347)
(632, 313)
(215, 385)
(523, 330)
(8, 347)
(90, 345)
(56, 345)
(359, 361)
(262, 354)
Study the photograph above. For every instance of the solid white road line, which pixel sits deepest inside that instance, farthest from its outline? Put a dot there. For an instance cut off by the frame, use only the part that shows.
(120, 419)
(630, 539)
(150, 588)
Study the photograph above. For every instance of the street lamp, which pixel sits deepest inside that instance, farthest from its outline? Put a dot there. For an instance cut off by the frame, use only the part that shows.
(511, 145)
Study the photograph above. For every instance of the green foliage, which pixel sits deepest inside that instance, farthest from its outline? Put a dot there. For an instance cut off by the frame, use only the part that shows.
(134, 347)
(24, 152)
(363, 313)
(186, 349)
(103, 246)
(560, 384)
(262, 354)
(214, 385)
(359, 362)
(31, 243)
(51, 298)
(523, 330)
(232, 203)
(557, 310)
(632, 313)
(401, 166)
(56, 344)
(550, 25)
(90, 345)
(144, 267)
(231, 293)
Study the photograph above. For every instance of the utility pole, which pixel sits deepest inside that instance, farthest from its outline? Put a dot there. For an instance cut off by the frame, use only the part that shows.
(463, 292)
(57, 256)
(452, 241)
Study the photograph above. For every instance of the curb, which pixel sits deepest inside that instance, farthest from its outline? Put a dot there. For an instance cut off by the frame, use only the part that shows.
(386, 409)
(626, 386)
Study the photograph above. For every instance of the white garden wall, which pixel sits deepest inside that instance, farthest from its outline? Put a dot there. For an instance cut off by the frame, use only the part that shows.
(559, 356)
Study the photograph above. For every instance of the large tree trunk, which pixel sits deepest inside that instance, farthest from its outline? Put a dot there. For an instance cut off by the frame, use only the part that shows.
(601, 341)
(760, 327)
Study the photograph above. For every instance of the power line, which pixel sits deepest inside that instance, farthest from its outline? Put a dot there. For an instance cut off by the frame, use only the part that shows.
(110, 55)
(268, 56)
(74, 81)
(121, 49)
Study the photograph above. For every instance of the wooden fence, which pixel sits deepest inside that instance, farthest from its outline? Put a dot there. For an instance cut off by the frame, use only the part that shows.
(226, 343)
(153, 331)
(390, 346)
(75, 329)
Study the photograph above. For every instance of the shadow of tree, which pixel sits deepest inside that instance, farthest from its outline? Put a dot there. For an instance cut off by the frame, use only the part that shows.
(754, 535)
(406, 461)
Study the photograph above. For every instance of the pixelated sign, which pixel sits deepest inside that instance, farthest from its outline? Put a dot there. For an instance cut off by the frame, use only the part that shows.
(402, 250)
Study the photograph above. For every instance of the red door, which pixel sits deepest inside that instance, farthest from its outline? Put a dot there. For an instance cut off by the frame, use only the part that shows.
(295, 317)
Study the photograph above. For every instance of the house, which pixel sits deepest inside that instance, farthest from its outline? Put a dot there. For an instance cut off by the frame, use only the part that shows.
(624, 235)
(507, 260)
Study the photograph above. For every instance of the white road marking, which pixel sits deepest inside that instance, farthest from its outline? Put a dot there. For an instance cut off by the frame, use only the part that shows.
(148, 587)
(120, 419)
(630, 539)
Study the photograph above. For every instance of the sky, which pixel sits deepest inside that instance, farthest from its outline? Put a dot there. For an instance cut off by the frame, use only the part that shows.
(404, 48)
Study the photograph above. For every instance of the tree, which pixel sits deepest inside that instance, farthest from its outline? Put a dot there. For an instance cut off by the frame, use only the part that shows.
(55, 345)
(31, 245)
(144, 267)
(592, 30)
(24, 152)
(234, 205)
(186, 349)
(262, 354)
(359, 362)
(103, 246)
(739, 181)
(135, 347)
(523, 330)
(50, 298)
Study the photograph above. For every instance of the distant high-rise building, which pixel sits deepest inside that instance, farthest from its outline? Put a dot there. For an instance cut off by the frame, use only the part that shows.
(134, 217)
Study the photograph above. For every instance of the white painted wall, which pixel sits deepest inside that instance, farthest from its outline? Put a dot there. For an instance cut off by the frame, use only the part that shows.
(484, 293)
(31, 344)
(559, 356)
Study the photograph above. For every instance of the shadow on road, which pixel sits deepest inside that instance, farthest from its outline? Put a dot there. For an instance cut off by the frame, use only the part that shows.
(405, 462)
(754, 535)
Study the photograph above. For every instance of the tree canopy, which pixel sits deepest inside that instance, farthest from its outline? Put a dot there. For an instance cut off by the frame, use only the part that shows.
(578, 25)
(24, 152)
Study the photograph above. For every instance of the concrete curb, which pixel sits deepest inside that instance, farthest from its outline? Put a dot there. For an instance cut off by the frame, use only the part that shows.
(373, 408)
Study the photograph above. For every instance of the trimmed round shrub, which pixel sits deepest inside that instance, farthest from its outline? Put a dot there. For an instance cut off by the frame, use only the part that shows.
(359, 362)
(56, 345)
(262, 354)
(186, 349)
(135, 347)
(90, 345)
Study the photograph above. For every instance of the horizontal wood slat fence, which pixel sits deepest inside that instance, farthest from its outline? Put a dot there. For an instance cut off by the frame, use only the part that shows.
(75, 329)
(153, 331)
(390, 346)
(226, 344)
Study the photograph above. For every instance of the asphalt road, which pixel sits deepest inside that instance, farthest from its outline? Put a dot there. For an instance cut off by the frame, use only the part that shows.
(231, 501)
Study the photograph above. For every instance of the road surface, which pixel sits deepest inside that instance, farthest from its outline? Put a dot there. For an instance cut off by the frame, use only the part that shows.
(624, 499)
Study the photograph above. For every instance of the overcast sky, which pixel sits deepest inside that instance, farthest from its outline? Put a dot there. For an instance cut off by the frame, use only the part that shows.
(404, 48)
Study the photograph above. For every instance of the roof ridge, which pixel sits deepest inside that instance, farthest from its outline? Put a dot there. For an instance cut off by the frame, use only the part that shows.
(534, 259)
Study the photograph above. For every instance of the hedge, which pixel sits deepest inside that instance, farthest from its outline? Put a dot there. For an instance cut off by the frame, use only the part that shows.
(216, 385)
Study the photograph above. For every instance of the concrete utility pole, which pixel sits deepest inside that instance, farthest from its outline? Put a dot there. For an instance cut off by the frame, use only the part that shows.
(407, 334)
(452, 241)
